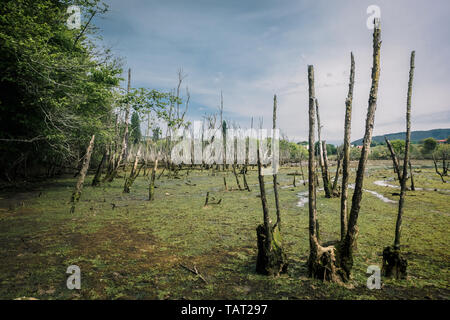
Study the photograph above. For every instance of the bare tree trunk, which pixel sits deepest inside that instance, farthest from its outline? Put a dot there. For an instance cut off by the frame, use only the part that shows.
(413, 188)
(206, 199)
(236, 176)
(275, 183)
(271, 259)
(398, 227)
(84, 168)
(394, 159)
(321, 261)
(127, 115)
(263, 197)
(98, 173)
(151, 187)
(444, 164)
(336, 176)
(393, 263)
(112, 152)
(124, 150)
(225, 183)
(246, 186)
(346, 254)
(312, 168)
(323, 168)
(224, 133)
(441, 174)
(133, 174)
(346, 150)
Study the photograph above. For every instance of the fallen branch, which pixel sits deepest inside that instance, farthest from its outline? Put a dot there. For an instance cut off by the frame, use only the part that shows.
(194, 271)
(212, 198)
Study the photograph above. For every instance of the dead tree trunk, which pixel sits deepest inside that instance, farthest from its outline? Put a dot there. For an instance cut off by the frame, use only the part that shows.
(206, 199)
(394, 264)
(321, 261)
(347, 246)
(441, 174)
(271, 258)
(151, 186)
(327, 172)
(244, 177)
(444, 164)
(275, 165)
(346, 149)
(323, 167)
(98, 173)
(395, 161)
(225, 184)
(413, 188)
(133, 174)
(84, 168)
(124, 151)
(336, 177)
(112, 152)
(223, 125)
(236, 176)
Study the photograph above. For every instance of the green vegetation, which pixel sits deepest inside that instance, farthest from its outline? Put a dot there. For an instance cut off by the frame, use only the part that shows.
(135, 128)
(128, 247)
(429, 144)
(59, 87)
(150, 234)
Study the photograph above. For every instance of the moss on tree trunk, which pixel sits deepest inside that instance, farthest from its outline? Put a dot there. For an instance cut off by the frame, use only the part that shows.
(394, 264)
(271, 258)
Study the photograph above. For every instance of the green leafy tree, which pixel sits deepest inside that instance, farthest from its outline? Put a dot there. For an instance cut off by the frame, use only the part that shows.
(135, 128)
(355, 153)
(331, 149)
(57, 85)
(399, 146)
(429, 145)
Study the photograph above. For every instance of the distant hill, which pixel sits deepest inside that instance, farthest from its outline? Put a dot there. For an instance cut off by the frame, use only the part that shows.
(416, 136)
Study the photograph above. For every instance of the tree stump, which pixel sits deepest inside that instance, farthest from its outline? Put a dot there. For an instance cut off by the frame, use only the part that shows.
(323, 263)
(394, 264)
(271, 258)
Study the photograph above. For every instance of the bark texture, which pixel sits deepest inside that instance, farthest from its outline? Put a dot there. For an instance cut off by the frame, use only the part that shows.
(98, 173)
(122, 156)
(346, 150)
(394, 264)
(84, 168)
(271, 259)
(274, 165)
(394, 158)
(347, 246)
(133, 174)
(323, 166)
(322, 260)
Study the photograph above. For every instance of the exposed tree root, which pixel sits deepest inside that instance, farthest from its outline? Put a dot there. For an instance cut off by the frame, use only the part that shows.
(323, 264)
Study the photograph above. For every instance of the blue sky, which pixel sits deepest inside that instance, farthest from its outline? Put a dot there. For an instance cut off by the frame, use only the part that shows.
(253, 49)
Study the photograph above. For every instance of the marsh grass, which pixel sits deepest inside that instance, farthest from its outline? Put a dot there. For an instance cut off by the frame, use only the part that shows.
(134, 251)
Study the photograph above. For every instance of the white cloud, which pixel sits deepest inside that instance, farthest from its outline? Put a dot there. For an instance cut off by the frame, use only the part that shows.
(251, 53)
